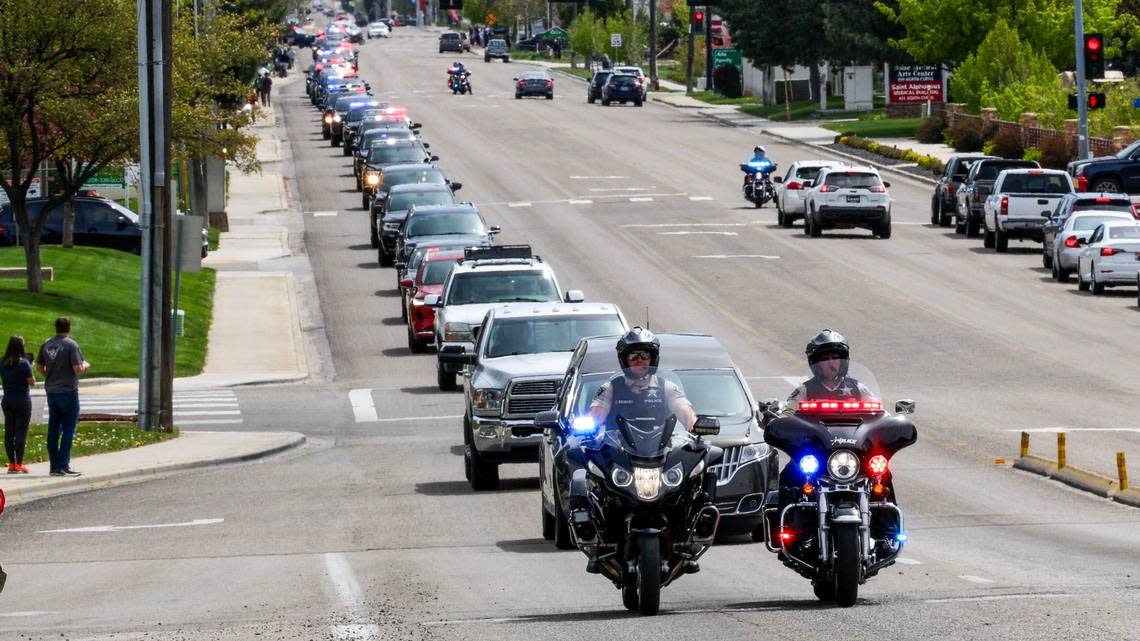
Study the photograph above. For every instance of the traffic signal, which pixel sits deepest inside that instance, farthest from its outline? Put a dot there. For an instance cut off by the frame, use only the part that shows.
(1095, 101)
(698, 21)
(1094, 55)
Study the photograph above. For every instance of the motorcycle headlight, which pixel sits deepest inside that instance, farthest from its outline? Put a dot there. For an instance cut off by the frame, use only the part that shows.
(336, 117)
(487, 400)
(621, 477)
(457, 332)
(674, 476)
(647, 481)
(372, 179)
(843, 465)
(391, 226)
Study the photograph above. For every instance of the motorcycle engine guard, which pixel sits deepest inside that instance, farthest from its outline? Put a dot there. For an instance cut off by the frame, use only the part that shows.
(846, 514)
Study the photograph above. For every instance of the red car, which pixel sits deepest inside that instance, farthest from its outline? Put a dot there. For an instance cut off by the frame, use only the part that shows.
(429, 280)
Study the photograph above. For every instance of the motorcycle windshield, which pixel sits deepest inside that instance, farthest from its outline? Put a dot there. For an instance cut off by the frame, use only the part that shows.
(836, 386)
(646, 413)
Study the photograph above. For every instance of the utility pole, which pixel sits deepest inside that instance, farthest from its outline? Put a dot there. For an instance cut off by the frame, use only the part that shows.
(708, 51)
(653, 82)
(1082, 98)
(689, 55)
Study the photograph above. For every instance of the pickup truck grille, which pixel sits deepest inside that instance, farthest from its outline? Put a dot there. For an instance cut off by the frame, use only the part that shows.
(527, 398)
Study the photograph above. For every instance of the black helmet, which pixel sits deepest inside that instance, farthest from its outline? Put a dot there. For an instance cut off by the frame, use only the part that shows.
(639, 338)
(824, 343)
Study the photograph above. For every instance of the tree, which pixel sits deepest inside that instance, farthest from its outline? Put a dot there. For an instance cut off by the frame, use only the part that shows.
(858, 32)
(1002, 59)
(51, 54)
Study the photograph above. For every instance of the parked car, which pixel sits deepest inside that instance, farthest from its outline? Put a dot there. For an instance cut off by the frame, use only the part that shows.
(1117, 173)
(534, 83)
(512, 374)
(1072, 237)
(1080, 202)
(792, 187)
(594, 87)
(713, 384)
(944, 202)
(1021, 204)
(977, 187)
(453, 41)
(621, 88)
(497, 48)
(99, 222)
(393, 208)
(1111, 257)
(848, 198)
(428, 279)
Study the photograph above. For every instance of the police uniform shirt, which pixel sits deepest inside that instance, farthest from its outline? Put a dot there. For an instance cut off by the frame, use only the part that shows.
(652, 387)
(847, 389)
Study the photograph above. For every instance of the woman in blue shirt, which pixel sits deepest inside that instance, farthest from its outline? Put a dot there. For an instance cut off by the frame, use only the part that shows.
(18, 378)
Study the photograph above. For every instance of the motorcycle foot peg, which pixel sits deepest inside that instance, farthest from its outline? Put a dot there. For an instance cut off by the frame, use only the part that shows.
(593, 567)
(692, 567)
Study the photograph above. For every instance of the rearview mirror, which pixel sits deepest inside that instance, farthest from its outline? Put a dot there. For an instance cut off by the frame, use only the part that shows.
(575, 296)
(494, 229)
(547, 419)
(456, 186)
(1082, 241)
(433, 300)
(778, 179)
(769, 405)
(905, 406)
(433, 158)
(407, 282)
(706, 426)
(415, 125)
(887, 185)
(426, 145)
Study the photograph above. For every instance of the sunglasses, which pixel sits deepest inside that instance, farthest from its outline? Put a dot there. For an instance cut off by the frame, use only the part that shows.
(831, 357)
(638, 356)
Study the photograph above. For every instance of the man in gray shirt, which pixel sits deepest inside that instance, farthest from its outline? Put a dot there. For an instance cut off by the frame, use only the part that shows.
(61, 363)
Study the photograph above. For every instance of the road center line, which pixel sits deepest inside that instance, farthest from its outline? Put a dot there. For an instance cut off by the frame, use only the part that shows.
(695, 233)
(362, 407)
(417, 418)
(640, 200)
(974, 579)
(998, 597)
(686, 225)
(700, 198)
(320, 214)
(114, 528)
(766, 257)
(581, 201)
(597, 189)
(520, 204)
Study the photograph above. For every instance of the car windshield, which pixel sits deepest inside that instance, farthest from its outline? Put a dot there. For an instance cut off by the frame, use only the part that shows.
(502, 287)
(1089, 223)
(852, 181)
(1035, 184)
(552, 334)
(1129, 150)
(990, 170)
(388, 154)
(428, 176)
(452, 224)
(1121, 231)
(713, 392)
(534, 75)
(405, 200)
(436, 271)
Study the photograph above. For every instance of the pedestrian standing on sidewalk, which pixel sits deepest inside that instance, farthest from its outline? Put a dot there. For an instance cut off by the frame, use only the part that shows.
(61, 363)
(18, 378)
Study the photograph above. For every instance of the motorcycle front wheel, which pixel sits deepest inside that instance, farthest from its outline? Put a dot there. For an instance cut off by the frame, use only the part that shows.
(846, 565)
(649, 574)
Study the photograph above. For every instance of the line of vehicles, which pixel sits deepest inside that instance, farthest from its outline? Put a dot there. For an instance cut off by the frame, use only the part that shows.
(1094, 235)
(828, 194)
(642, 496)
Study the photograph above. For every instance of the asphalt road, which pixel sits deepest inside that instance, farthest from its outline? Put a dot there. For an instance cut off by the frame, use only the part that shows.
(370, 531)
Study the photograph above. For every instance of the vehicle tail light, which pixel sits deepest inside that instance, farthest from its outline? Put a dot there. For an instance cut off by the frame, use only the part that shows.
(1071, 242)
(877, 465)
(328, 119)
(549, 83)
(879, 189)
(878, 489)
(611, 86)
(794, 186)
(522, 83)
(1102, 199)
(1135, 213)
(1082, 183)
(787, 536)
(951, 187)
(1109, 251)
(1004, 206)
(826, 188)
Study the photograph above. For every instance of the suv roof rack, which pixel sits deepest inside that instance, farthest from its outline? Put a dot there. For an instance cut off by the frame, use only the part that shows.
(498, 252)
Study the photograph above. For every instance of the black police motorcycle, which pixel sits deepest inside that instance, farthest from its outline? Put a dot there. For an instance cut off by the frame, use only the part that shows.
(641, 500)
(758, 187)
(837, 522)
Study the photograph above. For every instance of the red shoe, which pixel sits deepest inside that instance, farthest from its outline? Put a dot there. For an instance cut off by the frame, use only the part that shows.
(13, 468)
(23, 468)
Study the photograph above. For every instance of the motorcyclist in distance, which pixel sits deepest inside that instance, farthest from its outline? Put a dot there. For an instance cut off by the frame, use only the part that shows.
(638, 387)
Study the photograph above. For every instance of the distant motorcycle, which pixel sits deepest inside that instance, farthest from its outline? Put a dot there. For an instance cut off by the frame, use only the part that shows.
(459, 82)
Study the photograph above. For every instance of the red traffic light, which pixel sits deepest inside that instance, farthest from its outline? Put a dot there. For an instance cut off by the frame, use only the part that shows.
(1095, 101)
(699, 20)
(1093, 44)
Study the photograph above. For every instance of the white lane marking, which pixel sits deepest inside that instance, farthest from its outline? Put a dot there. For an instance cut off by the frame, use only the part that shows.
(417, 418)
(766, 257)
(109, 406)
(700, 197)
(521, 204)
(581, 201)
(223, 421)
(598, 177)
(903, 222)
(115, 528)
(470, 621)
(695, 233)
(350, 597)
(362, 407)
(794, 381)
(907, 561)
(998, 597)
(319, 214)
(640, 200)
(974, 579)
(773, 378)
(26, 613)
(597, 189)
(1054, 430)
(686, 225)
(208, 413)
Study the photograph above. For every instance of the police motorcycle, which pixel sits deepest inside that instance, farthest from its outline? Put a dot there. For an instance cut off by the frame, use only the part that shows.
(837, 521)
(758, 187)
(641, 496)
(459, 81)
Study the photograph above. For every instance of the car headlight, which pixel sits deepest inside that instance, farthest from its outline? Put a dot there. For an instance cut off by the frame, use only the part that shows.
(372, 179)
(752, 452)
(647, 482)
(488, 399)
(457, 332)
(674, 476)
(843, 465)
(391, 226)
(621, 477)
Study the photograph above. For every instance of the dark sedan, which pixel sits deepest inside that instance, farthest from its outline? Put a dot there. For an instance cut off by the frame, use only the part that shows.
(621, 88)
(594, 87)
(715, 387)
(459, 224)
(380, 156)
(393, 209)
(98, 223)
(534, 83)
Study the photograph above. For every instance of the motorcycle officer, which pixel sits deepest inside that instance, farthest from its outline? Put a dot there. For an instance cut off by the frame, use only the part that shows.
(638, 386)
(759, 168)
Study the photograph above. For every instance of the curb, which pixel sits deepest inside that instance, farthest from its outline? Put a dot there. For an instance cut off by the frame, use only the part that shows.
(1087, 481)
(16, 496)
(1131, 497)
(1036, 464)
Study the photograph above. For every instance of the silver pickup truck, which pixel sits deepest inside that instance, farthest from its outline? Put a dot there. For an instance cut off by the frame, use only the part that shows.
(1021, 204)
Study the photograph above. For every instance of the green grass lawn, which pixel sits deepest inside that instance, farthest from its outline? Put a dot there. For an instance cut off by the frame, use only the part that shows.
(882, 128)
(213, 235)
(93, 438)
(99, 290)
(581, 72)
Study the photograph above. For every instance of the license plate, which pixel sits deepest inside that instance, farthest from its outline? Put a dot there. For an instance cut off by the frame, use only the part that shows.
(852, 199)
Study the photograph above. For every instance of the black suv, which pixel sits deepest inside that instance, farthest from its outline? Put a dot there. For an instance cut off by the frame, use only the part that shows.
(1117, 173)
(944, 202)
(453, 41)
(621, 88)
(390, 211)
(594, 87)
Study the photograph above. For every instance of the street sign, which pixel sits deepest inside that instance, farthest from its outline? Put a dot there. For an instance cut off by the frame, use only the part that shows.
(615, 40)
(915, 84)
(730, 57)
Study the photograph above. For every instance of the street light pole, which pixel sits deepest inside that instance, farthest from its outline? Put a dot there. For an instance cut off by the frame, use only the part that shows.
(1082, 96)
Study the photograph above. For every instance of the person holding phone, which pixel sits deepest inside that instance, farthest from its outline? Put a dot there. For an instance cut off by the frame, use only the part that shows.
(18, 379)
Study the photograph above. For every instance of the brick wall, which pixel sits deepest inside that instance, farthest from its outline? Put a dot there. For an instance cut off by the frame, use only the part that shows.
(1033, 136)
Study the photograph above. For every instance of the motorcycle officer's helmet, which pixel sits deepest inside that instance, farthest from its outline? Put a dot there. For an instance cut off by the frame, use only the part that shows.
(758, 151)
(638, 339)
(828, 342)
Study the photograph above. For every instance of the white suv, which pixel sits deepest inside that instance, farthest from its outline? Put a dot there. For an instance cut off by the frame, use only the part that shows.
(847, 198)
(792, 188)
